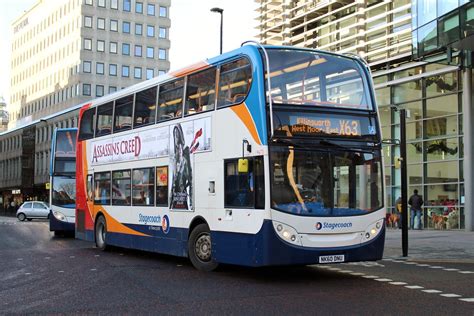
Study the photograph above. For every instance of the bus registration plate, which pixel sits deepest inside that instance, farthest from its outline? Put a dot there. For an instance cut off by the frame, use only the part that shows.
(331, 259)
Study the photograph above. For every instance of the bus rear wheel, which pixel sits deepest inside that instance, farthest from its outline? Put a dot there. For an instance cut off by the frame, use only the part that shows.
(100, 232)
(199, 249)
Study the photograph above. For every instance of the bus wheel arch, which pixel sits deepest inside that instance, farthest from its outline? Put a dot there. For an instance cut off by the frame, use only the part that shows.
(199, 246)
(100, 231)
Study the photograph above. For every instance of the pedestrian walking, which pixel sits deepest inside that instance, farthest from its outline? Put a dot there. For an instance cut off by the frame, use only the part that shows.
(415, 202)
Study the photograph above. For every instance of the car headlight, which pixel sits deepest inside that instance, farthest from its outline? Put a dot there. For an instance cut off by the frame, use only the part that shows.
(59, 216)
(287, 233)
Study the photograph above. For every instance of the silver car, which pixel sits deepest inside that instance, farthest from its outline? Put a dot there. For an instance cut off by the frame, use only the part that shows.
(33, 209)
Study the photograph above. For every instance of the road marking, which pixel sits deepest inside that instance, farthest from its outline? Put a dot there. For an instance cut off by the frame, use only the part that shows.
(409, 262)
(432, 291)
(19, 259)
(27, 273)
(471, 299)
(61, 271)
(450, 295)
(383, 280)
(93, 269)
(436, 267)
(179, 265)
(47, 258)
(451, 269)
(387, 259)
(333, 269)
(370, 277)
(422, 265)
(346, 271)
(414, 287)
(72, 257)
(398, 283)
(97, 256)
(466, 272)
(357, 273)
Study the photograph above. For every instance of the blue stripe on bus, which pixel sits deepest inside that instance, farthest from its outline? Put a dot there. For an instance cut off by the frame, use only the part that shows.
(261, 249)
(266, 248)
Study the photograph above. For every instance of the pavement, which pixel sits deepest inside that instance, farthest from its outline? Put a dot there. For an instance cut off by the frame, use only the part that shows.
(431, 245)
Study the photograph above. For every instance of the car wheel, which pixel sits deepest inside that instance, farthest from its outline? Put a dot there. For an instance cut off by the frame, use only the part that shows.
(199, 249)
(21, 217)
(100, 232)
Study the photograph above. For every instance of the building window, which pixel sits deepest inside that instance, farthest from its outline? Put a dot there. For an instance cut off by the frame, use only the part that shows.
(150, 52)
(126, 49)
(139, 7)
(88, 21)
(113, 47)
(149, 73)
(113, 69)
(99, 90)
(138, 50)
(114, 25)
(163, 12)
(150, 30)
(99, 68)
(138, 29)
(114, 4)
(101, 3)
(87, 44)
(112, 89)
(162, 33)
(162, 54)
(125, 71)
(100, 46)
(88, 2)
(126, 27)
(86, 66)
(161, 72)
(137, 73)
(127, 5)
(86, 89)
(150, 9)
(100, 23)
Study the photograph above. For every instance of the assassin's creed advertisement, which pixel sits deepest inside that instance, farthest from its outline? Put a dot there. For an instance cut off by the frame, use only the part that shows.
(186, 139)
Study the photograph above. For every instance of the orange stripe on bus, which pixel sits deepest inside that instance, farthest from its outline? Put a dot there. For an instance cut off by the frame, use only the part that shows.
(243, 113)
(194, 67)
(115, 226)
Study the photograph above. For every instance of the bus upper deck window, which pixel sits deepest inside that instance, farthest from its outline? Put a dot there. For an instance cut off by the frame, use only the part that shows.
(87, 124)
(123, 114)
(200, 91)
(234, 82)
(145, 107)
(104, 119)
(170, 100)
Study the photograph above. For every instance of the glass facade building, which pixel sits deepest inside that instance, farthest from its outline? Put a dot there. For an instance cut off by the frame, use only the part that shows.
(420, 63)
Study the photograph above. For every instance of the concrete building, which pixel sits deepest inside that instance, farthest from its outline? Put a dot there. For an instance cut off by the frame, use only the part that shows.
(3, 115)
(65, 52)
(420, 53)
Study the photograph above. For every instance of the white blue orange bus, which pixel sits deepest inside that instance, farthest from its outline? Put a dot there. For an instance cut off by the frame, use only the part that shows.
(62, 193)
(264, 155)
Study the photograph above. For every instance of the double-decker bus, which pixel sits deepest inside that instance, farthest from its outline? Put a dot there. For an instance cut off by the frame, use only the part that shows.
(264, 155)
(62, 193)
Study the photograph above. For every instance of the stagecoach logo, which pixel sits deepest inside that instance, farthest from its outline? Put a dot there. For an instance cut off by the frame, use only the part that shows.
(124, 147)
(165, 224)
(332, 226)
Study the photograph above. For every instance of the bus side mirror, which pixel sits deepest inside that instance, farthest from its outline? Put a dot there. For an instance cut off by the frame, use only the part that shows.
(243, 165)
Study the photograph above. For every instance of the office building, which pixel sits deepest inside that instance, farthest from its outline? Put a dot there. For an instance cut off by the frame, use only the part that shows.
(65, 52)
(420, 53)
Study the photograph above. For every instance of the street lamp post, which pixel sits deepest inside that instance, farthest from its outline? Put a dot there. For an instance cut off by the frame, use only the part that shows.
(221, 12)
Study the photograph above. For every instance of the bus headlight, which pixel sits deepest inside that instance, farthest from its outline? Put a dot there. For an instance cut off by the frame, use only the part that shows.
(59, 216)
(287, 233)
(372, 230)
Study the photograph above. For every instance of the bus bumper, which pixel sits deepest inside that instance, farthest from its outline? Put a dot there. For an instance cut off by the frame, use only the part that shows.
(266, 249)
(56, 225)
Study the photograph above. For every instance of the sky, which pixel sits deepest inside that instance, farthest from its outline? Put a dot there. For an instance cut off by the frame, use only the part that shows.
(194, 32)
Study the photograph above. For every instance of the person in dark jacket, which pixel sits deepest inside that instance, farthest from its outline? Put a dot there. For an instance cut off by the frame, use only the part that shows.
(415, 202)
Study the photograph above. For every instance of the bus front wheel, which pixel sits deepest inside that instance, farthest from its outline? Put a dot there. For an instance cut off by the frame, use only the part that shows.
(199, 248)
(100, 233)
